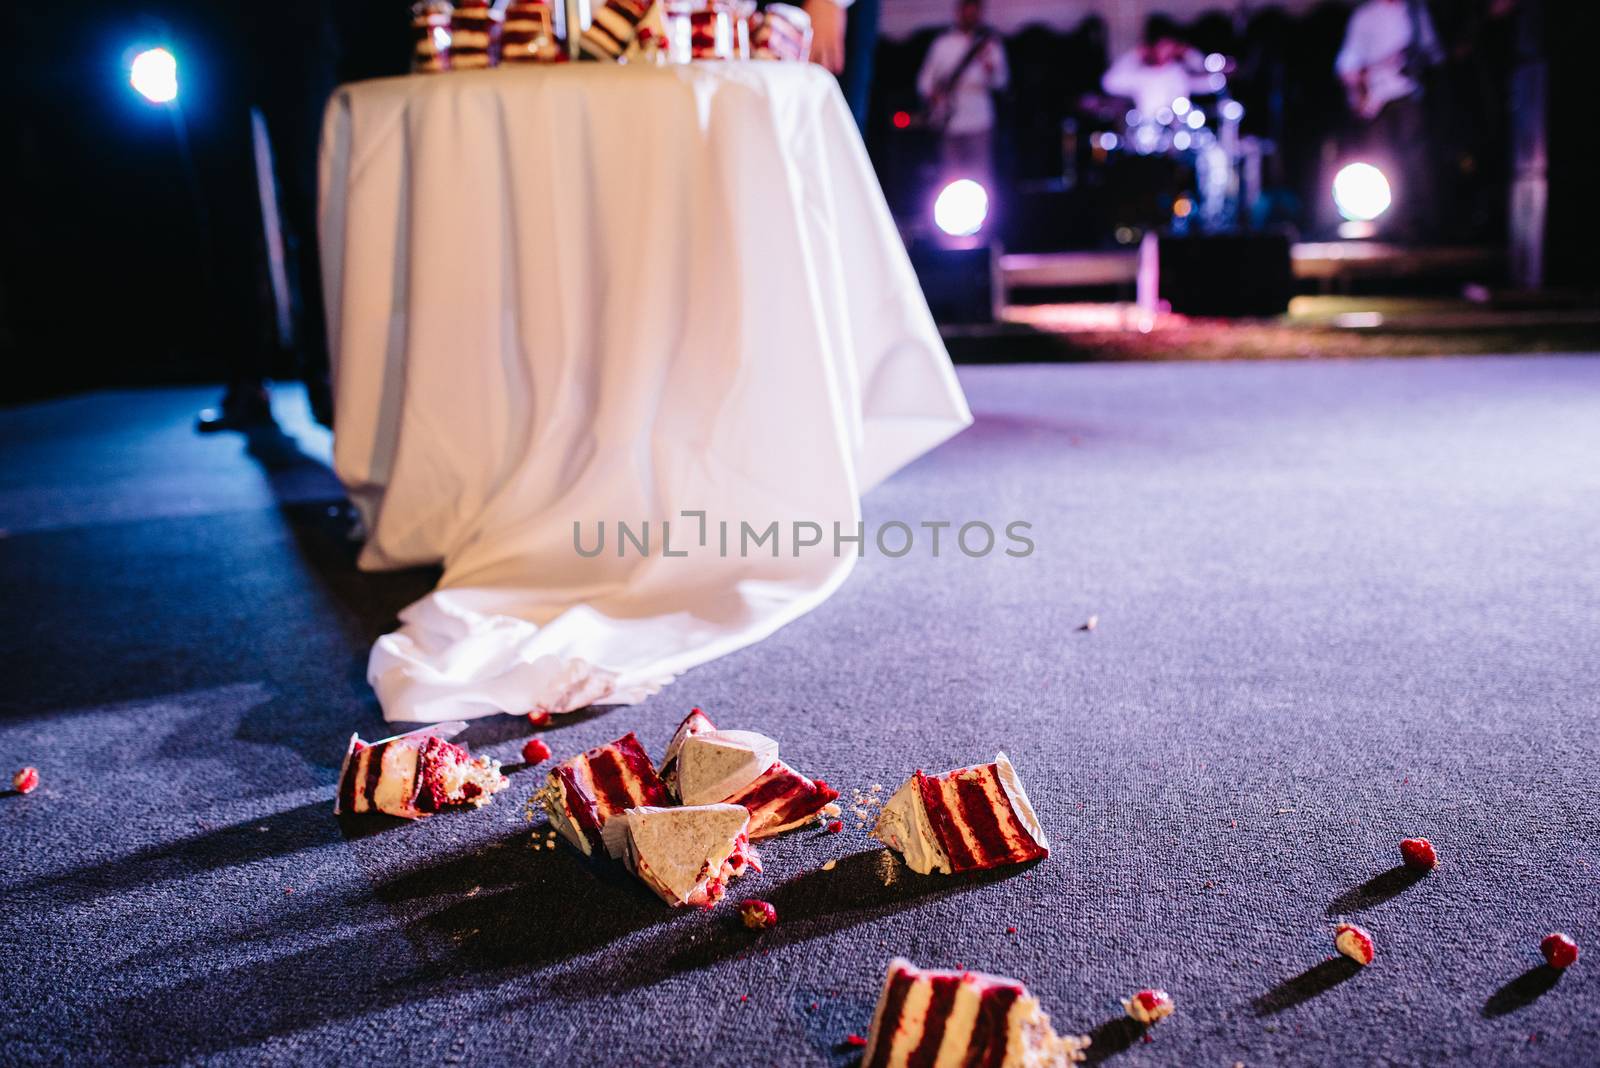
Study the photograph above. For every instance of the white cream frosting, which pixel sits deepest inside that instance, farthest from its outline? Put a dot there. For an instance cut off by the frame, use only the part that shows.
(714, 766)
(1020, 804)
(396, 780)
(903, 826)
(694, 723)
(677, 850)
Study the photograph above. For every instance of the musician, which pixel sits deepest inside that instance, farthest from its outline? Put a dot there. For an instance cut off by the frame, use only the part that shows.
(1157, 71)
(1388, 47)
(964, 66)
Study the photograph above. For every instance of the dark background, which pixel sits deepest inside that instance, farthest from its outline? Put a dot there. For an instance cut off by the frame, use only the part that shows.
(105, 276)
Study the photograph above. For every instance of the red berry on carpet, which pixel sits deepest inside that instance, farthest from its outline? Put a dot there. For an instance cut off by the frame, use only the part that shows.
(1418, 854)
(758, 915)
(855, 1040)
(25, 781)
(1559, 950)
(535, 751)
(836, 826)
(539, 719)
(1355, 943)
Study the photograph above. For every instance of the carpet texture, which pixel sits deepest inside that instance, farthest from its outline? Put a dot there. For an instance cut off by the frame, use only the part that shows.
(1338, 604)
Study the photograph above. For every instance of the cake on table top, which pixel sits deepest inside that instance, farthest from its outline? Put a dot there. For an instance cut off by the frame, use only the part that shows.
(414, 775)
(964, 820)
(704, 765)
(583, 793)
(957, 1019)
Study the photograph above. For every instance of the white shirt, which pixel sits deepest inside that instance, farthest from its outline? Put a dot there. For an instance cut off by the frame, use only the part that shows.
(971, 109)
(1375, 41)
(1150, 88)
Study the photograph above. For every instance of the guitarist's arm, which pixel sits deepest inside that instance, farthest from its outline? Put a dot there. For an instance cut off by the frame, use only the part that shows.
(933, 71)
(994, 65)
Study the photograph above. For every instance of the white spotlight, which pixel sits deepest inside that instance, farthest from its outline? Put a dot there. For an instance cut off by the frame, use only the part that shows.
(1181, 106)
(1361, 192)
(1215, 62)
(154, 75)
(961, 208)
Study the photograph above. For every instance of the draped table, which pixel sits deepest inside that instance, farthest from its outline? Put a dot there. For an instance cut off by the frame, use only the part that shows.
(569, 297)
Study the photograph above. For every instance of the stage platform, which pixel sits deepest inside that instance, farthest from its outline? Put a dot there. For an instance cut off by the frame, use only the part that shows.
(1339, 603)
(1333, 265)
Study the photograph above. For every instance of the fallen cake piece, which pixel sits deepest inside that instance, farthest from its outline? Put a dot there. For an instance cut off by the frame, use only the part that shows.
(1355, 942)
(943, 1018)
(783, 799)
(964, 820)
(696, 722)
(1149, 1006)
(687, 855)
(414, 774)
(583, 793)
(715, 765)
(708, 766)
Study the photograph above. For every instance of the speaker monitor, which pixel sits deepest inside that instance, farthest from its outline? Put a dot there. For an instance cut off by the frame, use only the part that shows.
(1227, 275)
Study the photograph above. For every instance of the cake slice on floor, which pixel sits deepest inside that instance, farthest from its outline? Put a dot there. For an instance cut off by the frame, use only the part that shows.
(706, 766)
(945, 1019)
(582, 794)
(687, 855)
(964, 820)
(414, 774)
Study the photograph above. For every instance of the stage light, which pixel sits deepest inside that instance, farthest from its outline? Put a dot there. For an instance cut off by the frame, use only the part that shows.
(1215, 62)
(1197, 119)
(961, 208)
(154, 75)
(1181, 105)
(902, 120)
(1181, 140)
(1361, 192)
(1108, 141)
(1232, 110)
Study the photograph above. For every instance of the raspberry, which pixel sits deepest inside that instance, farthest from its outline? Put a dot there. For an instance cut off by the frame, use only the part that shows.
(836, 826)
(535, 751)
(26, 780)
(758, 915)
(1419, 854)
(539, 719)
(855, 1041)
(1355, 943)
(1149, 1006)
(1559, 950)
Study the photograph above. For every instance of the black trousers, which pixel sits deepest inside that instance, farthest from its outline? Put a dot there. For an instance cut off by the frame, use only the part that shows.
(1401, 135)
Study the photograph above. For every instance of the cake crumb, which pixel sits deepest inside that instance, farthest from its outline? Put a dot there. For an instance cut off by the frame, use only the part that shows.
(830, 865)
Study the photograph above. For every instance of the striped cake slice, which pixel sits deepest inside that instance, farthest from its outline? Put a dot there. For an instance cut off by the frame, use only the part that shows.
(414, 775)
(964, 820)
(582, 793)
(947, 1019)
(783, 799)
(706, 766)
(611, 28)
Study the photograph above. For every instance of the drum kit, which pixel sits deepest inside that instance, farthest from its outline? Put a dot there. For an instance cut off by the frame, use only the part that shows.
(1211, 173)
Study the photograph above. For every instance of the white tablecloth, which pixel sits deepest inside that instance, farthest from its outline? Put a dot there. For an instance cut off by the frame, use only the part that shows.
(589, 293)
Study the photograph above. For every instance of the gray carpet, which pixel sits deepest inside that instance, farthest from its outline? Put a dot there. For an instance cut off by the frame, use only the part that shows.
(1339, 603)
